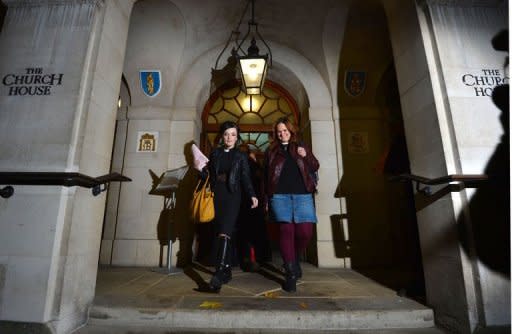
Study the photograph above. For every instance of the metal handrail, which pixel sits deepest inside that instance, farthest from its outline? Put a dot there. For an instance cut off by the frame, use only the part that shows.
(468, 180)
(57, 179)
(455, 183)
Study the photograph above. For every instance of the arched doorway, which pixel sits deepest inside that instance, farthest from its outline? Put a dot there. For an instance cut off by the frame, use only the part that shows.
(255, 115)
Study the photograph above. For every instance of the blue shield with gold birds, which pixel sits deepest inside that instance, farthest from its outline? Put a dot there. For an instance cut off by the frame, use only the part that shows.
(150, 82)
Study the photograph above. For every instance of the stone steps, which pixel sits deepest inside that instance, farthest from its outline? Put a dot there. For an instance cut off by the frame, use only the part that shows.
(326, 300)
(317, 320)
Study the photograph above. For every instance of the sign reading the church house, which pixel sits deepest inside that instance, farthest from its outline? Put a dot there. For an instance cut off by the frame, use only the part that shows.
(33, 81)
(483, 83)
(147, 141)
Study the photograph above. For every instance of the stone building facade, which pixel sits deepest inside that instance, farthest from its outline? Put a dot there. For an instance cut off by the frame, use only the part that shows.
(363, 78)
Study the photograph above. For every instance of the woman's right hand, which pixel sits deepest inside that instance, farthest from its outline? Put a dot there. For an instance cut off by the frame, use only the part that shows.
(301, 151)
(254, 202)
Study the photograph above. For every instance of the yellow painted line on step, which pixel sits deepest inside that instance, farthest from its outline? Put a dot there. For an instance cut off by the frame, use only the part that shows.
(210, 305)
(274, 293)
(303, 306)
(271, 294)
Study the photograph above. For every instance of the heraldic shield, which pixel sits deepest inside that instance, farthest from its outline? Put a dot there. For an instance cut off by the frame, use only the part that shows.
(150, 82)
(355, 82)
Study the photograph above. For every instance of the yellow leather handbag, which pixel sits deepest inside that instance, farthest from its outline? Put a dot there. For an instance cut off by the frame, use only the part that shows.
(202, 208)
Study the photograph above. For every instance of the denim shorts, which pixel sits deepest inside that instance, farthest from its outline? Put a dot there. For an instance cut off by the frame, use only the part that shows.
(297, 208)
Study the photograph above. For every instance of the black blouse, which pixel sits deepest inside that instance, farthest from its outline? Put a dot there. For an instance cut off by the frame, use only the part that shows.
(225, 161)
(290, 180)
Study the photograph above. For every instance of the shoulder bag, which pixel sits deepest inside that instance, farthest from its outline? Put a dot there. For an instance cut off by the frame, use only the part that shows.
(202, 208)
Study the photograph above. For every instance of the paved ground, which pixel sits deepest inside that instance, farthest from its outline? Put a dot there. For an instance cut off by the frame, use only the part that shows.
(140, 300)
(135, 330)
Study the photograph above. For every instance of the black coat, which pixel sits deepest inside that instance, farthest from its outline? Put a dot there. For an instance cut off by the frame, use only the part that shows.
(239, 172)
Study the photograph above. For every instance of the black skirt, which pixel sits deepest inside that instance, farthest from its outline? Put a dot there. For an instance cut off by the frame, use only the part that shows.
(227, 207)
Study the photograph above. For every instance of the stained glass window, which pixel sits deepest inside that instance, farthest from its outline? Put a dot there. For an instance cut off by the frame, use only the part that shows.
(255, 114)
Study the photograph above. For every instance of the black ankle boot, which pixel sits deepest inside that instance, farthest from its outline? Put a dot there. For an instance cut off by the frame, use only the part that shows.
(221, 276)
(290, 279)
(222, 273)
(297, 269)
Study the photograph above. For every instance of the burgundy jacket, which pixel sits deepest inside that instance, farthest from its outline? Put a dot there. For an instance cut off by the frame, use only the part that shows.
(274, 162)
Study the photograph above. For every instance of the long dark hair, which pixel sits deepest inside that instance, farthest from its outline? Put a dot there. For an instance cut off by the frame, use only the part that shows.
(229, 125)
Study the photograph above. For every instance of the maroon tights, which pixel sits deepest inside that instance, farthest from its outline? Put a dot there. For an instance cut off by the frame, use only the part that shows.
(293, 239)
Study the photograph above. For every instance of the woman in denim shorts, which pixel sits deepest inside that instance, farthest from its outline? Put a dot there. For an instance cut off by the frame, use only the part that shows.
(290, 182)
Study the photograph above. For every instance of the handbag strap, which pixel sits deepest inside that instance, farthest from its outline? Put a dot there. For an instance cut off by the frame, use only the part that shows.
(205, 182)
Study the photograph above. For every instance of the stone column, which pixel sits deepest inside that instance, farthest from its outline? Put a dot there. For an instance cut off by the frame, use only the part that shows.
(420, 103)
(140, 218)
(136, 225)
(440, 125)
(463, 55)
(114, 190)
(326, 147)
(184, 132)
(57, 111)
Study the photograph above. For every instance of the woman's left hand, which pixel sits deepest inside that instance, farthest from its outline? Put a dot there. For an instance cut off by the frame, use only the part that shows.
(301, 151)
(254, 202)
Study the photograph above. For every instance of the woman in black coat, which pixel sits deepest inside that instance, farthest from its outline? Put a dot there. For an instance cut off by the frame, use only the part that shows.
(229, 176)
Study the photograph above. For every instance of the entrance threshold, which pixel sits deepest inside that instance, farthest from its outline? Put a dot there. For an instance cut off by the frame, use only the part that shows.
(326, 300)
